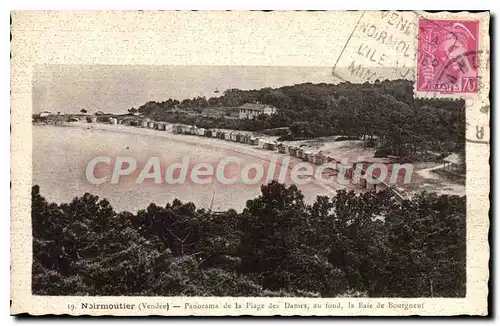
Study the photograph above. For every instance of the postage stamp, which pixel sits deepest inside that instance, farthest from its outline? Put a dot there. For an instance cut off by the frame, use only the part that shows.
(448, 56)
(250, 163)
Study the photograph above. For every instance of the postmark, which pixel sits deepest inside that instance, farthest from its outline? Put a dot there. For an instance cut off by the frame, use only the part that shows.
(380, 46)
(448, 58)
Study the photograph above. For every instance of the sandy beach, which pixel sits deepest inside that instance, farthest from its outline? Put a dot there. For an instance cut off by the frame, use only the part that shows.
(62, 152)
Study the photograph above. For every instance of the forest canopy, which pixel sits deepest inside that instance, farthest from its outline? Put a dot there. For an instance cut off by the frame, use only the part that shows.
(347, 245)
(388, 110)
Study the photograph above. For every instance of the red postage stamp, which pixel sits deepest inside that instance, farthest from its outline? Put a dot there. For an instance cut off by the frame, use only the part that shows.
(448, 56)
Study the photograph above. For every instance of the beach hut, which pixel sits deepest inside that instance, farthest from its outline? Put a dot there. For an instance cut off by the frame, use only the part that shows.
(270, 146)
(213, 133)
(300, 153)
(355, 165)
(362, 181)
(177, 129)
(292, 150)
(227, 135)
(348, 173)
(308, 156)
(201, 131)
(281, 148)
(261, 143)
(233, 135)
(315, 158)
(304, 155)
(151, 125)
(319, 158)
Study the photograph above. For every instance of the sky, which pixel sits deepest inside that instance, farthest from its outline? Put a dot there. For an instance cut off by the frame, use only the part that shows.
(115, 89)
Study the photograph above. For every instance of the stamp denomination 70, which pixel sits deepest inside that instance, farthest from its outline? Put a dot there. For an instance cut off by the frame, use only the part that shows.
(448, 56)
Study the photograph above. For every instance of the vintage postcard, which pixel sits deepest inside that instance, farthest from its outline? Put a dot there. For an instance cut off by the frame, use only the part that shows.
(250, 163)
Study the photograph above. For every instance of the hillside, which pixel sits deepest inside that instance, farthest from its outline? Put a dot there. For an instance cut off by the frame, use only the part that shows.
(405, 125)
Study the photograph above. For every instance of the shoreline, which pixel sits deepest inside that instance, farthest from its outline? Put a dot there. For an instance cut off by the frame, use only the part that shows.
(314, 188)
(223, 145)
(260, 154)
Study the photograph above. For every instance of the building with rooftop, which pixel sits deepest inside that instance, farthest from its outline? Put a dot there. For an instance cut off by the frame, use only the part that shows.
(253, 110)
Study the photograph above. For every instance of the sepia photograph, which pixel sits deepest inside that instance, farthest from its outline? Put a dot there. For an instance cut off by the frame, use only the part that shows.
(244, 181)
(328, 163)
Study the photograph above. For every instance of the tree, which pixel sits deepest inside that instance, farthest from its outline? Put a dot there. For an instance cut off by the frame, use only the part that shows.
(387, 110)
(272, 249)
(427, 244)
(347, 245)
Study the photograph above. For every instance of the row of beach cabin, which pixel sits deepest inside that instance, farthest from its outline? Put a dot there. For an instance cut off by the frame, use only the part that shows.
(109, 120)
(146, 123)
(307, 155)
(317, 158)
(157, 125)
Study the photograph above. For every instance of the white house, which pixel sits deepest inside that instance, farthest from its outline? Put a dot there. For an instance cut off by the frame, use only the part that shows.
(44, 114)
(252, 110)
